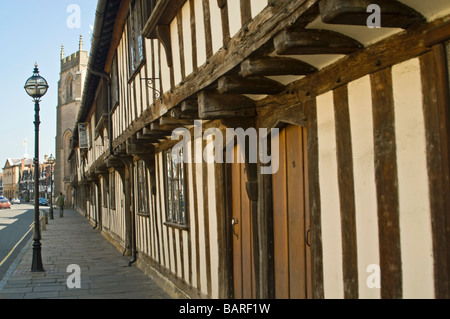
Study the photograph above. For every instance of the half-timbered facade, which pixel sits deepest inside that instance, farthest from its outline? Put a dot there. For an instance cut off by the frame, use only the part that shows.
(357, 202)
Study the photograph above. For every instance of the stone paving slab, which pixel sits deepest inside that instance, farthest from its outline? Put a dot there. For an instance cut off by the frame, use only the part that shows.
(71, 240)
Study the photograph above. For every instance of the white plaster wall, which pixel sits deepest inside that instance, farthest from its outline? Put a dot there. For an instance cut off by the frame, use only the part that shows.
(361, 123)
(200, 213)
(216, 25)
(415, 215)
(213, 238)
(187, 38)
(257, 6)
(176, 57)
(329, 193)
(200, 32)
(234, 16)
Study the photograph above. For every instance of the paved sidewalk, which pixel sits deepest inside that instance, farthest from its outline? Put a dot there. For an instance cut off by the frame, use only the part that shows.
(71, 240)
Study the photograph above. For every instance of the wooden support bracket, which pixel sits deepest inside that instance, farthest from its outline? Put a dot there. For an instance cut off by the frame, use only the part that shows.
(175, 122)
(270, 66)
(189, 105)
(156, 126)
(146, 138)
(135, 147)
(214, 106)
(163, 34)
(394, 14)
(178, 113)
(249, 85)
(113, 162)
(302, 42)
(156, 133)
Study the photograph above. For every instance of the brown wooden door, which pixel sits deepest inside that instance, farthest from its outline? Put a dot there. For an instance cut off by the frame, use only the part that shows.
(291, 217)
(243, 263)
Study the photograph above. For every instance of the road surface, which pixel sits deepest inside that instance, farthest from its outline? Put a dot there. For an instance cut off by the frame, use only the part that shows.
(16, 229)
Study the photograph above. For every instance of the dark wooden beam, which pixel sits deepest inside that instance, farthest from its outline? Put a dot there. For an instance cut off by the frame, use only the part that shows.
(163, 35)
(141, 137)
(135, 147)
(113, 162)
(156, 126)
(163, 13)
(189, 105)
(213, 105)
(249, 85)
(394, 14)
(269, 66)
(170, 121)
(437, 35)
(156, 133)
(300, 42)
(101, 171)
(178, 113)
(120, 149)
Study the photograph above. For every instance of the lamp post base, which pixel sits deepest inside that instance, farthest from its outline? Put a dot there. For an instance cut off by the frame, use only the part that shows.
(36, 265)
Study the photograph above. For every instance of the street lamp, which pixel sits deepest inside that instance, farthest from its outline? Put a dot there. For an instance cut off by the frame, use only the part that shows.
(36, 87)
(51, 161)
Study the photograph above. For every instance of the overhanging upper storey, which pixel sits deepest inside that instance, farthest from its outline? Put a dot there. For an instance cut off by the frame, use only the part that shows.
(163, 13)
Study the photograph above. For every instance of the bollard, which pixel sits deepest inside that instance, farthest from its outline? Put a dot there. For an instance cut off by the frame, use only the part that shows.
(43, 227)
(43, 221)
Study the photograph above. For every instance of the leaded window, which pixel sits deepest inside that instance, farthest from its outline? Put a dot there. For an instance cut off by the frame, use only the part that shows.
(142, 188)
(175, 181)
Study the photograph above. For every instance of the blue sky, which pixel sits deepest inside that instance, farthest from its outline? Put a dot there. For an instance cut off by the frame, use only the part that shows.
(33, 31)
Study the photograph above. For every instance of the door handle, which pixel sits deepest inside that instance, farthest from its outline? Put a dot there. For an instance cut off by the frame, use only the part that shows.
(308, 232)
(234, 222)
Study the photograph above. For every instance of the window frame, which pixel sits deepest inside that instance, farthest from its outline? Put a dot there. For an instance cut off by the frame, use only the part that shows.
(104, 192)
(69, 88)
(142, 189)
(178, 219)
(115, 86)
(136, 42)
(112, 190)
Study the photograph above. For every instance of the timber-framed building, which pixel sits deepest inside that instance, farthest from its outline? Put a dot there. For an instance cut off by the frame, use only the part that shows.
(359, 205)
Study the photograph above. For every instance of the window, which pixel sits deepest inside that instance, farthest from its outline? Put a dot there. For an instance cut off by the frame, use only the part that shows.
(69, 88)
(82, 133)
(176, 204)
(105, 193)
(112, 190)
(142, 189)
(92, 193)
(114, 83)
(135, 40)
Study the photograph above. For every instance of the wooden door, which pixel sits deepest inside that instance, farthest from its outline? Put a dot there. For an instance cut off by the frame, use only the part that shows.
(291, 217)
(242, 232)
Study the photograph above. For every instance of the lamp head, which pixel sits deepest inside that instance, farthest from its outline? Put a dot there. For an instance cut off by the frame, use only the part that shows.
(36, 86)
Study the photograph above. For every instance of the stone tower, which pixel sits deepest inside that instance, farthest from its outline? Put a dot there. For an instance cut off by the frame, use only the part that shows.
(70, 90)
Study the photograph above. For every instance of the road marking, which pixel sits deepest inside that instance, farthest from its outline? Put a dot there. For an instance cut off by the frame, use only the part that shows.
(7, 221)
(18, 243)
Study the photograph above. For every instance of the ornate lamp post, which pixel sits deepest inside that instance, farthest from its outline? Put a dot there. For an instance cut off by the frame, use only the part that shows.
(51, 161)
(36, 87)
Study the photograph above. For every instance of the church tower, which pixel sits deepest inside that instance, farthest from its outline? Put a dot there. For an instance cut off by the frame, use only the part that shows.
(70, 90)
